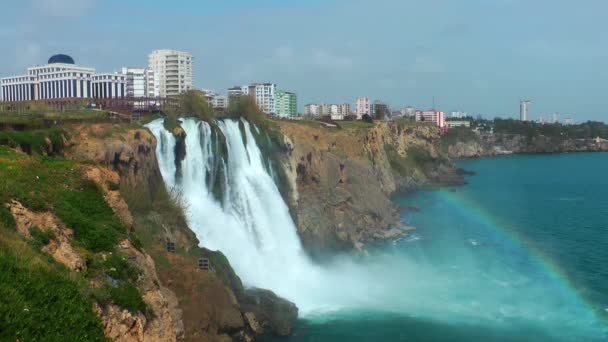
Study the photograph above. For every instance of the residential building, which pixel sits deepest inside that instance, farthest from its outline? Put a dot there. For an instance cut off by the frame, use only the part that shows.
(378, 108)
(236, 91)
(344, 109)
(174, 70)
(61, 78)
(312, 109)
(107, 86)
(140, 82)
(524, 107)
(432, 116)
(219, 102)
(362, 107)
(286, 104)
(324, 109)
(408, 112)
(457, 123)
(264, 95)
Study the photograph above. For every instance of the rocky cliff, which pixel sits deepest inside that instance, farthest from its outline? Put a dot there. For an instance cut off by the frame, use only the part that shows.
(485, 144)
(340, 180)
(209, 306)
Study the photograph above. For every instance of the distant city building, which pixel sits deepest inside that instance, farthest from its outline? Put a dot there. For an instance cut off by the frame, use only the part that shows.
(174, 70)
(459, 115)
(236, 91)
(433, 116)
(264, 95)
(311, 109)
(324, 109)
(457, 123)
(362, 107)
(378, 107)
(109, 86)
(219, 102)
(524, 107)
(408, 112)
(345, 109)
(61, 78)
(140, 82)
(286, 104)
(568, 121)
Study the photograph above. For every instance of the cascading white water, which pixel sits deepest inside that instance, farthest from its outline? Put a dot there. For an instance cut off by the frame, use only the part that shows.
(252, 226)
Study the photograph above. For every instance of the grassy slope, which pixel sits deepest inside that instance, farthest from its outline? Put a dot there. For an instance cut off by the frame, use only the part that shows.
(39, 298)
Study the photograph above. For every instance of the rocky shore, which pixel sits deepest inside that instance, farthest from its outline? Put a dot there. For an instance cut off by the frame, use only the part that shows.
(485, 145)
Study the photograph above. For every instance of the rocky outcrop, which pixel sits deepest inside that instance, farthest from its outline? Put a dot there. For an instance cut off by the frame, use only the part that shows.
(59, 246)
(485, 145)
(129, 152)
(341, 181)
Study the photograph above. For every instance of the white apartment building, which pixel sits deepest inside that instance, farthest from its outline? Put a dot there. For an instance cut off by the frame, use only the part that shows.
(311, 109)
(219, 102)
(264, 95)
(362, 107)
(174, 70)
(140, 82)
(344, 109)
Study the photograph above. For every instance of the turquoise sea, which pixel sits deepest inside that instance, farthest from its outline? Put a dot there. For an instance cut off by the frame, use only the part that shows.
(518, 254)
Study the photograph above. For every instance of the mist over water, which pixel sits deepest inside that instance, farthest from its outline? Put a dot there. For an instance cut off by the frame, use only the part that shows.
(454, 277)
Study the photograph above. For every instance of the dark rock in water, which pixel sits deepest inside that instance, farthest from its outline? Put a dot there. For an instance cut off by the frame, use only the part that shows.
(464, 172)
(273, 314)
(412, 208)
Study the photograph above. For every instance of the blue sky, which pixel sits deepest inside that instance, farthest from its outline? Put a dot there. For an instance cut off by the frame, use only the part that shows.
(479, 56)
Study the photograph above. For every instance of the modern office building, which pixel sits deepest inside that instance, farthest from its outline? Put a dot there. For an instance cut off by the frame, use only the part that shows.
(286, 104)
(174, 71)
(61, 78)
(109, 86)
(362, 107)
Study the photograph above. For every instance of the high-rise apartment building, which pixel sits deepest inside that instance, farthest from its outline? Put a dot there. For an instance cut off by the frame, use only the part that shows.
(286, 104)
(524, 107)
(174, 71)
(362, 107)
(311, 109)
(264, 95)
(140, 82)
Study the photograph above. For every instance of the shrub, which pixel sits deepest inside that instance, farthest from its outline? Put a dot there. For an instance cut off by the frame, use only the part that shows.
(127, 296)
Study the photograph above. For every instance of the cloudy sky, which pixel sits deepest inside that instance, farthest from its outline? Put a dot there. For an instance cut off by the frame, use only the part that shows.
(479, 56)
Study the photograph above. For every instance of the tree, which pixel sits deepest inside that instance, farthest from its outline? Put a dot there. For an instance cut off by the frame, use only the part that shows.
(245, 107)
(193, 103)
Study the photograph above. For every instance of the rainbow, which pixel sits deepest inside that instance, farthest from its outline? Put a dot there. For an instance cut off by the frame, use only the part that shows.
(461, 201)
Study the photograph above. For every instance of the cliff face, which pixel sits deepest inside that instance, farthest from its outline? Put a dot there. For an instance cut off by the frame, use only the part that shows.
(341, 180)
(196, 305)
(500, 144)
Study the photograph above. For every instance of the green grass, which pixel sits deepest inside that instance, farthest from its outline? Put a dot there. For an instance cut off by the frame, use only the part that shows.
(355, 124)
(41, 238)
(38, 300)
(33, 141)
(57, 185)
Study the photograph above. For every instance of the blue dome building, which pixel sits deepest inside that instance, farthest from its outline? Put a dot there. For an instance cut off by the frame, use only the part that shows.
(61, 58)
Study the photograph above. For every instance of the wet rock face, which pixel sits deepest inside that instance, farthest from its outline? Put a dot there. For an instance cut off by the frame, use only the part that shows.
(265, 312)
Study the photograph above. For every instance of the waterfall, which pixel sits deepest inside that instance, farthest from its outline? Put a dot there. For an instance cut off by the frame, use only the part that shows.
(251, 225)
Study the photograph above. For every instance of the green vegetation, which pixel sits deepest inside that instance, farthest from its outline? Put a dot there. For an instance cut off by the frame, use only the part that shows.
(587, 130)
(417, 158)
(34, 141)
(39, 298)
(356, 124)
(88, 214)
(41, 238)
(457, 134)
(38, 116)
